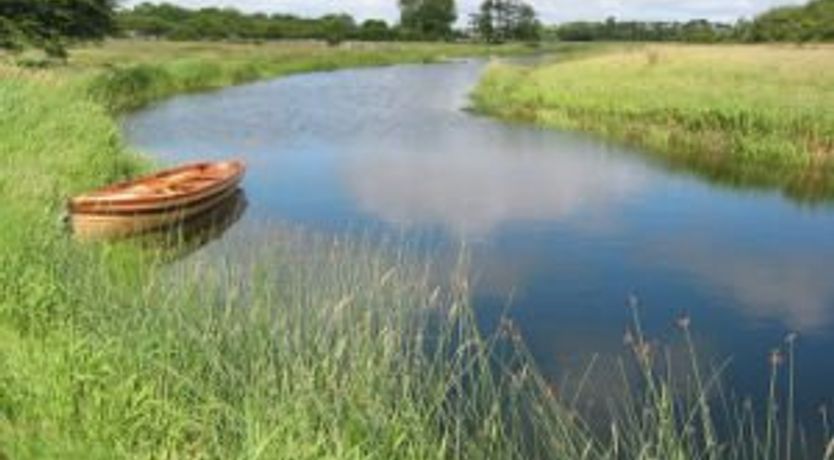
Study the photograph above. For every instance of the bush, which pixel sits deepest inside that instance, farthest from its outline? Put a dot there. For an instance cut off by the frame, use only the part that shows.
(130, 87)
(11, 38)
(55, 50)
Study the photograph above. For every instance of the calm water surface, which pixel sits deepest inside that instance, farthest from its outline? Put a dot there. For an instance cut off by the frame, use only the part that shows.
(564, 224)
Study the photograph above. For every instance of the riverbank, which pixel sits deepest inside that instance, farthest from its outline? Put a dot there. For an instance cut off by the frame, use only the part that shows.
(750, 116)
(315, 349)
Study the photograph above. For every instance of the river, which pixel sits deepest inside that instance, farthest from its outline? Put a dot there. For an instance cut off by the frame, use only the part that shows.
(560, 225)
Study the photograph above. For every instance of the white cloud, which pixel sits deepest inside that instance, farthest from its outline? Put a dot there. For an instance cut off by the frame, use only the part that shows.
(550, 10)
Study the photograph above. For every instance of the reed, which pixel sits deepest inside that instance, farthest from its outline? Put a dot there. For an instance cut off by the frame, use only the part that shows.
(310, 350)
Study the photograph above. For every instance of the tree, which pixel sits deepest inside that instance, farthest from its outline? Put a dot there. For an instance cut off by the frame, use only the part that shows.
(700, 31)
(337, 27)
(526, 25)
(428, 19)
(11, 38)
(502, 20)
(483, 22)
(375, 30)
(811, 22)
(48, 23)
(146, 26)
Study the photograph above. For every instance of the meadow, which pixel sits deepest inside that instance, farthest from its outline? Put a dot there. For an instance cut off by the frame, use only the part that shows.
(749, 116)
(307, 347)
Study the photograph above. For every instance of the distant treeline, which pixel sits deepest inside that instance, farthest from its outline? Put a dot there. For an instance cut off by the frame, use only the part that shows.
(700, 31)
(496, 21)
(177, 23)
(51, 24)
(811, 22)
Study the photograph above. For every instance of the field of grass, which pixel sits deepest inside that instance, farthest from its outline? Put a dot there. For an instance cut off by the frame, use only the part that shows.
(740, 115)
(303, 348)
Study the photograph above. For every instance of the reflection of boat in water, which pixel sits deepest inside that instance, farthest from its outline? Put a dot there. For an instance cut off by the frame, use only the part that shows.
(183, 238)
(154, 202)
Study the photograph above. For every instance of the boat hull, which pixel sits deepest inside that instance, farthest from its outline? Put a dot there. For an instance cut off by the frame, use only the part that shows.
(114, 226)
(154, 202)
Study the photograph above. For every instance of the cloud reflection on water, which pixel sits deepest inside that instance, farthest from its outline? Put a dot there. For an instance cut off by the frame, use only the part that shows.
(793, 288)
(474, 194)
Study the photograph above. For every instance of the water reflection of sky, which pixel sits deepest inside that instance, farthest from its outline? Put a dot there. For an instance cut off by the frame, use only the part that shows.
(473, 197)
(566, 225)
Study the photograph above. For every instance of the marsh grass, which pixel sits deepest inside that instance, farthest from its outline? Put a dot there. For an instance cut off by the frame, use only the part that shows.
(311, 349)
(739, 115)
(314, 347)
(680, 410)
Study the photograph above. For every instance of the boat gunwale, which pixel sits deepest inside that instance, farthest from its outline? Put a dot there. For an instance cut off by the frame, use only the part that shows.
(97, 203)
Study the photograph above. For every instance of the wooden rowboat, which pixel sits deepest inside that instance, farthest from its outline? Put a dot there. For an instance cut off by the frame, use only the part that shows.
(148, 203)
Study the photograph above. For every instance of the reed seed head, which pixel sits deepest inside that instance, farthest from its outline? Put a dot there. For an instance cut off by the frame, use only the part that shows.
(628, 338)
(633, 301)
(552, 390)
(684, 321)
(777, 358)
(644, 352)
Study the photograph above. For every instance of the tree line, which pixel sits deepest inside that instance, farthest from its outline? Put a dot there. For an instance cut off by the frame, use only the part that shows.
(811, 22)
(498, 20)
(168, 21)
(700, 31)
(51, 24)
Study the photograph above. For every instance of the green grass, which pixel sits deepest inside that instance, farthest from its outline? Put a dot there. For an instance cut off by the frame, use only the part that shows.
(54, 142)
(300, 347)
(313, 351)
(740, 115)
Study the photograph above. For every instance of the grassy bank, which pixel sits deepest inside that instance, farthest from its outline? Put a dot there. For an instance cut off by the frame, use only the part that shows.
(302, 348)
(740, 115)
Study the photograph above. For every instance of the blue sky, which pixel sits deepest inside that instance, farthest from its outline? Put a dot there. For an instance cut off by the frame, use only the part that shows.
(550, 10)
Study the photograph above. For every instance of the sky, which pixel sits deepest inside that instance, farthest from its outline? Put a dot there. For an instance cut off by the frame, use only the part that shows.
(549, 10)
